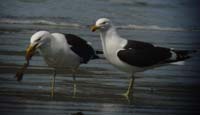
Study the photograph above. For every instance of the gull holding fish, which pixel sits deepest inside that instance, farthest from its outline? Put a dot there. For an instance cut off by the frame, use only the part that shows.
(60, 51)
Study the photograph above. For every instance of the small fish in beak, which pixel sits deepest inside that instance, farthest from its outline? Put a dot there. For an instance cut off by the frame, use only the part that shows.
(94, 28)
(30, 51)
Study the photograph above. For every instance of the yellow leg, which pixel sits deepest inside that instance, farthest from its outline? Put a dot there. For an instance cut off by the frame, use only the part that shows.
(53, 84)
(129, 92)
(74, 84)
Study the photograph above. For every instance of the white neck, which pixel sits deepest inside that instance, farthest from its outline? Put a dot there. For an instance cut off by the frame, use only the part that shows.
(44, 48)
(110, 35)
(111, 41)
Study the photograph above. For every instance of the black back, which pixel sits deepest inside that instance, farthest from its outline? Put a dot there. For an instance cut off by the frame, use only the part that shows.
(137, 45)
(143, 54)
(80, 47)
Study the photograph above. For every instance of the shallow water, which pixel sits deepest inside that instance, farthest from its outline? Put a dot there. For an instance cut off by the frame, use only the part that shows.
(169, 90)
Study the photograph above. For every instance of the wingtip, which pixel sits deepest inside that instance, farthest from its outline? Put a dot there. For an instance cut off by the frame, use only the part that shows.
(179, 63)
(99, 52)
(194, 51)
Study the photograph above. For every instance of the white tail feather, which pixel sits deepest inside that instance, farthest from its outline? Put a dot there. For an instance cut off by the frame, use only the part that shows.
(179, 63)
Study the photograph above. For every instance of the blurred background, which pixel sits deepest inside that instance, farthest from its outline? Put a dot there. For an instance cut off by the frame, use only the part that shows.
(169, 90)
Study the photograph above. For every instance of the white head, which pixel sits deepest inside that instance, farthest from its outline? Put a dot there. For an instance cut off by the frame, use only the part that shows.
(40, 38)
(102, 24)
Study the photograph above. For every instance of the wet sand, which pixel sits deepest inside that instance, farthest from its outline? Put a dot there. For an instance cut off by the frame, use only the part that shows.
(98, 92)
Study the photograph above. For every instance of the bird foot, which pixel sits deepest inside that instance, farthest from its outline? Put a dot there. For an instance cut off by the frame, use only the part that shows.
(128, 95)
(52, 95)
(74, 90)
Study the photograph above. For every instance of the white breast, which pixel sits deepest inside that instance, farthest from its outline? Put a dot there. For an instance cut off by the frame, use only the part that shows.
(112, 43)
(58, 53)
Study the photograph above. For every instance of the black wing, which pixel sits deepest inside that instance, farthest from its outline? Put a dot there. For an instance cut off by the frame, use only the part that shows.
(80, 47)
(143, 54)
(132, 44)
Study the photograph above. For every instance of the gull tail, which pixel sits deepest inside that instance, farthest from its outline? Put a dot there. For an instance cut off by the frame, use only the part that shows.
(97, 55)
(99, 52)
(178, 56)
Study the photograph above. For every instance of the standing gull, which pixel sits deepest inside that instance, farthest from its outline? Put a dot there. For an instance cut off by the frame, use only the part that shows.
(133, 56)
(61, 51)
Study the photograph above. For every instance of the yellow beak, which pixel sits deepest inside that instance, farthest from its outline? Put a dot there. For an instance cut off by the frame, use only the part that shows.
(30, 50)
(94, 28)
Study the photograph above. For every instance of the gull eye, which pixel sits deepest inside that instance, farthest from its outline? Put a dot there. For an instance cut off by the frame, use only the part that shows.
(38, 39)
(103, 22)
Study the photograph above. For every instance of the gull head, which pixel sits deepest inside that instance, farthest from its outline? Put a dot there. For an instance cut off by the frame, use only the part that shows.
(39, 39)
(102, 24)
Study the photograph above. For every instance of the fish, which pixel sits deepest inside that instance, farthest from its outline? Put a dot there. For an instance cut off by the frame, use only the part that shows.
(30, 51)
